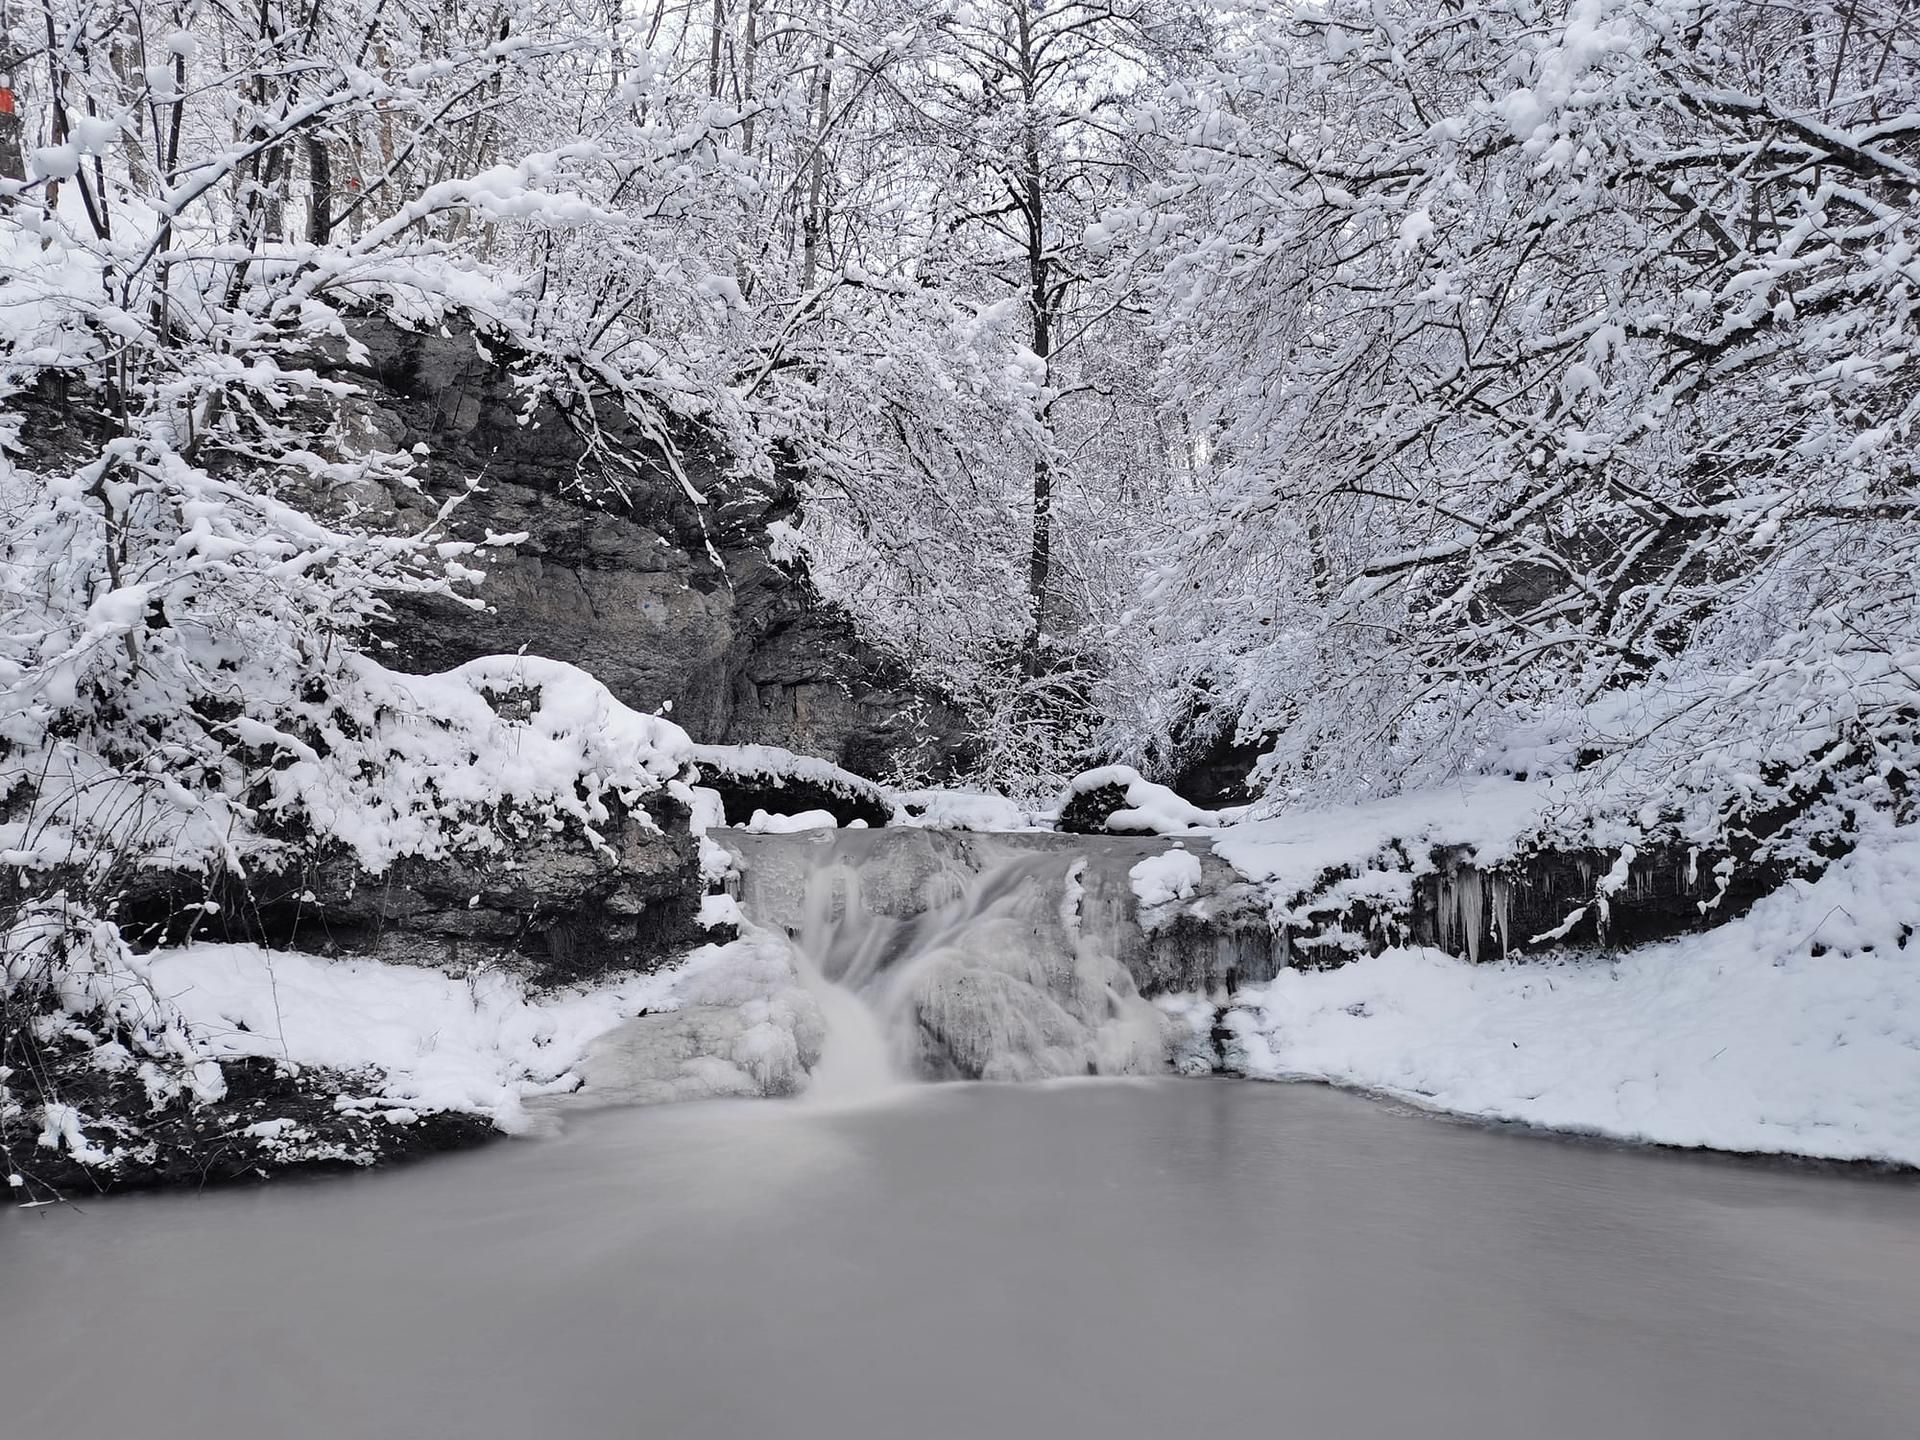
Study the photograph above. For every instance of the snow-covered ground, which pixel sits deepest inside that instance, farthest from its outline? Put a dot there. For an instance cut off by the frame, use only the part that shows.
(482, 1044)
(946, 809)
(1793, 1030)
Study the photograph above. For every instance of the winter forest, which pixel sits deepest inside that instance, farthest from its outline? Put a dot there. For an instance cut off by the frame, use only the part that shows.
(496, 494)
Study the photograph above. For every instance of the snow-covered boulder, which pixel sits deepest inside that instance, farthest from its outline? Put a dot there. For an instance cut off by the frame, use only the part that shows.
(763, 777)
(1165, 878)
(1116, 799)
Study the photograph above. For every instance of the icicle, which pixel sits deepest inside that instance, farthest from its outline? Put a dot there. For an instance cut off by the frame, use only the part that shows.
(1462, 910)
(1502, 889)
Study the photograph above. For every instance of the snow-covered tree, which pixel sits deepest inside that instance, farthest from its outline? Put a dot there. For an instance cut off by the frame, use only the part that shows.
(1549, 369)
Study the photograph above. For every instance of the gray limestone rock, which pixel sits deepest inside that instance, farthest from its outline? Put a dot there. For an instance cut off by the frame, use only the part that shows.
(665, 601)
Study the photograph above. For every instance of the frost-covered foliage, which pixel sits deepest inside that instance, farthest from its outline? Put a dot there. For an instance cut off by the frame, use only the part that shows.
(193, 544)
(1549, 375)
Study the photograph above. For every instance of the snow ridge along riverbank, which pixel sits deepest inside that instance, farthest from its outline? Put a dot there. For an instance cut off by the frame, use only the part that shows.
(1792, 1030)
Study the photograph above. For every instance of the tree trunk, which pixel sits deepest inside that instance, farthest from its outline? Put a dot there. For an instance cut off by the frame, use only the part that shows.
(814, 221)
(1041, 300)
(319, 190)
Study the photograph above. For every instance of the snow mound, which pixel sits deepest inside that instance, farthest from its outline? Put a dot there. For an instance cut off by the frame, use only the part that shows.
(1165, 878)
(976, 810)
(1792, 1030)
(743, 1024)
(452, 750)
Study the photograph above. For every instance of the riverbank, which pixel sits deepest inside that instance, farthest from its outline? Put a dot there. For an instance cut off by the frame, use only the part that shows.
(309, 1063)
(1793, 1030)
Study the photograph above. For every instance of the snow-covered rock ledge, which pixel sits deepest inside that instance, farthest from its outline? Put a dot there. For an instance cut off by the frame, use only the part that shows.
(1794, 1030)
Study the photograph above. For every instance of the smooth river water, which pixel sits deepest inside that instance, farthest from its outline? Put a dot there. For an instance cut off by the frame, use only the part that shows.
(1089, 1259)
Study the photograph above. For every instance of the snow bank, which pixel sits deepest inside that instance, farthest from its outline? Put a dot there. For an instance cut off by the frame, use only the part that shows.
(480, 1044)
(1793, 1030)
(961, 810)
(1287, 854)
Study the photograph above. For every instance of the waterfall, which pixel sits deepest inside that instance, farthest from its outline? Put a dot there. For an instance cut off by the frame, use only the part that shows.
(856, 1064)
(972, 956)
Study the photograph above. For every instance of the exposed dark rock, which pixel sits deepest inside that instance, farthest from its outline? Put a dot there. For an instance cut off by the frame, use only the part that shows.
(1548, 899)
(1215, 774)
(1088, 811)
(665, 601)
(1551, 897)
(550, 905)
(1220, 941)
(760, 777)
(297, 1119)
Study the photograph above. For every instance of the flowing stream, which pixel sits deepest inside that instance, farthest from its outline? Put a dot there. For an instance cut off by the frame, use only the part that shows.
(1128, 1260)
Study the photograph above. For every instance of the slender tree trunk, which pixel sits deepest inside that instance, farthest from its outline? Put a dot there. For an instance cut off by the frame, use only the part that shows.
(1040, 299)
(814, 221)
(319, 190)
(749, 54)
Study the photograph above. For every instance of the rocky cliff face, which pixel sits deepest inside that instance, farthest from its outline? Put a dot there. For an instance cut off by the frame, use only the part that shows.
(621, 573)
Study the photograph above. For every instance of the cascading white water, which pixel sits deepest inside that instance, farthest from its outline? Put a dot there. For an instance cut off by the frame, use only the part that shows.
(856, 1063)
(973, 960)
